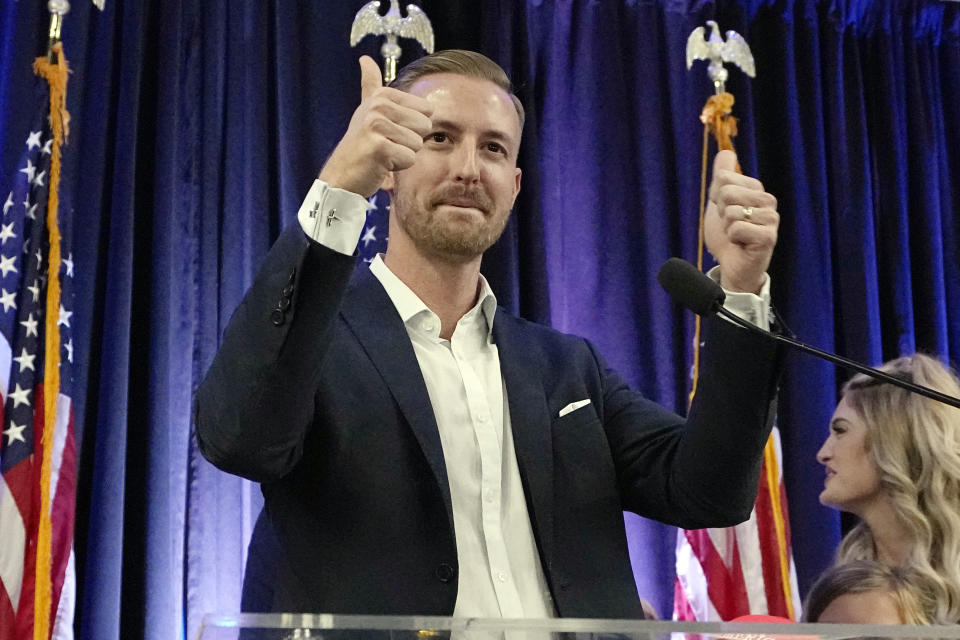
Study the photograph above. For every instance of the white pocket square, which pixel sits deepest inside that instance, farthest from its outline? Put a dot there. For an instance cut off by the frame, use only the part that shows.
(573, 406)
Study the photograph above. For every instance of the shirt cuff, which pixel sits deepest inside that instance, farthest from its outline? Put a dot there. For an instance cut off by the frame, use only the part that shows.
(333, 217)
(752, 307)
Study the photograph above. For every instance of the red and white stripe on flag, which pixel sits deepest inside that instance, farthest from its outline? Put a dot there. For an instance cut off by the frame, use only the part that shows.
(19, 523)
(746, 569)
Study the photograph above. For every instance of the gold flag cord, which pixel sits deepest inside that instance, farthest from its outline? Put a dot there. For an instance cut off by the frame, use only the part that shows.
(717, 118)
(55, 73)
(695, 375)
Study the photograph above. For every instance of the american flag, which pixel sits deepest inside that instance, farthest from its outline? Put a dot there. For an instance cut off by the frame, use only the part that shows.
(24, 282)
(748, 569)
(374, 238)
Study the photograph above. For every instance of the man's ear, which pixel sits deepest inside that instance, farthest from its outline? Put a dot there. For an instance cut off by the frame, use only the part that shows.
(516, 186)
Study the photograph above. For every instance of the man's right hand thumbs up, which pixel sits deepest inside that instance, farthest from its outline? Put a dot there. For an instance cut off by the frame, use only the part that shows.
(384, 135)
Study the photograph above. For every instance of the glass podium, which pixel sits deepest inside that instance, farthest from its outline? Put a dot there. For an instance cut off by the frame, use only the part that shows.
(286, 626)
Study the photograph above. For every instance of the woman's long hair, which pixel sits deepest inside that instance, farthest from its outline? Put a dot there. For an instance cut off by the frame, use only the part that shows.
(915, 442)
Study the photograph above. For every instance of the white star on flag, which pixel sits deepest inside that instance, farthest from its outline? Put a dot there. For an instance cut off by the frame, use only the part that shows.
(31, 326)
(64, 317)
(31, 210)
(372, 203)
(39, 255)
(68, 263)
(6, 264)
(33, 140)
(46, 147)
(6, 232)
(25, 360)
(29, 170)
(69, 347)
(368, 236)
(19, 396)
(8, 203)
(8, 299)
(35, 290)
(15, 432)
(38, 181)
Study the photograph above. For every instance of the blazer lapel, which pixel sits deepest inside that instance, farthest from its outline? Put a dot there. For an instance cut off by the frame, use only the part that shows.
(531, 426)
(370, 314)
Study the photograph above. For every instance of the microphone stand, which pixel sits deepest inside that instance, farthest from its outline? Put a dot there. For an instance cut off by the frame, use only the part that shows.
(839, 360)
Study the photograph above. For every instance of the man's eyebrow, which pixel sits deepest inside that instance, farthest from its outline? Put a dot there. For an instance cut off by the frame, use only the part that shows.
(496, 134)
(446, 125)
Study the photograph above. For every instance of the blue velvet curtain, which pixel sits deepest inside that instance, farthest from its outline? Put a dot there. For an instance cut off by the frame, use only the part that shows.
(198, 127)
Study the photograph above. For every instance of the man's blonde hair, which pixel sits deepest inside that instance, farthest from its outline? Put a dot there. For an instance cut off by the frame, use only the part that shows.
(460, 62)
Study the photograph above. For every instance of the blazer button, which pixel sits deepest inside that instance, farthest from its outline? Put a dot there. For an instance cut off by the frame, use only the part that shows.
(287, 291)
(277, 317)
(445, 573)
(283, 304)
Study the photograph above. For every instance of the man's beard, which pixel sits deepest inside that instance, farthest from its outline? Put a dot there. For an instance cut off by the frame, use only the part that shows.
(435, 234)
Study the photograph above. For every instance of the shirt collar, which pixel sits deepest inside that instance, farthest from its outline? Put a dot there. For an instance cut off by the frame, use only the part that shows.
(408, 304)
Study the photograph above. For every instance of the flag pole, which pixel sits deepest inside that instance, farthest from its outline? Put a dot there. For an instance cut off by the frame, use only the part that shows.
(53, 68)
(717, 117)
(57, 9)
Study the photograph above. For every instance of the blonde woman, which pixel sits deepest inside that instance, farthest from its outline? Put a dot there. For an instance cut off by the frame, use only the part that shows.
(893, 459)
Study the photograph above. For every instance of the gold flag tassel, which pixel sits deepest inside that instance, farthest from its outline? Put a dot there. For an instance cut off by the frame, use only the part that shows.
(54, 70)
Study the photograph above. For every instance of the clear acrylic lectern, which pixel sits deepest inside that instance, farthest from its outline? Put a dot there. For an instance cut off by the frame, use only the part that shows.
(288, 626)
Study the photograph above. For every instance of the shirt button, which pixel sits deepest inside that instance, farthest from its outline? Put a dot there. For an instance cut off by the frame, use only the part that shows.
(502, 577)
(427, 325)
(482, 418)
(445, 572)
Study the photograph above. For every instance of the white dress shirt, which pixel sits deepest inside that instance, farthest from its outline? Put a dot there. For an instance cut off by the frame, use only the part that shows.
(499, 566)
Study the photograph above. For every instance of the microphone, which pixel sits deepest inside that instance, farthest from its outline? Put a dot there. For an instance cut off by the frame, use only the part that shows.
(689, 287)
(698, 293)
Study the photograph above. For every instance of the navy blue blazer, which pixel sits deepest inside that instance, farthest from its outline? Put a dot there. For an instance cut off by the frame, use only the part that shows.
(317, 394)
